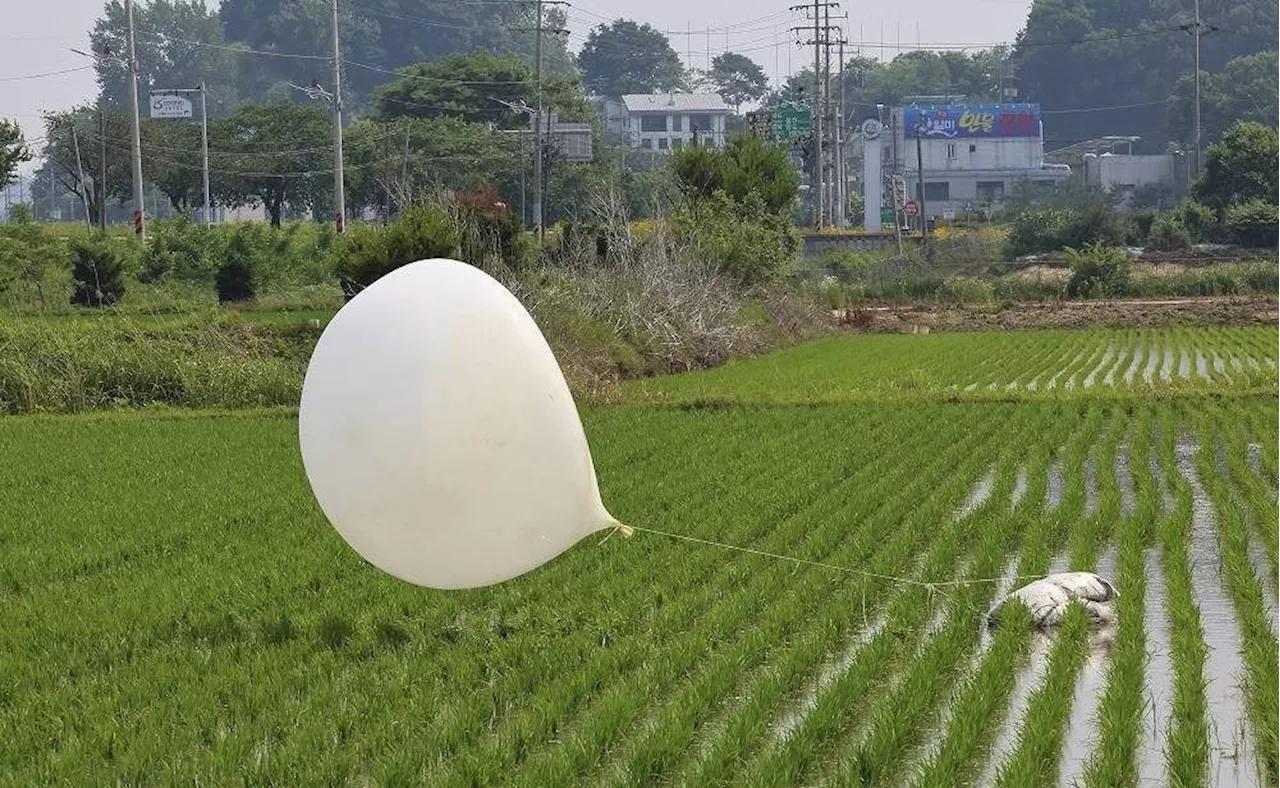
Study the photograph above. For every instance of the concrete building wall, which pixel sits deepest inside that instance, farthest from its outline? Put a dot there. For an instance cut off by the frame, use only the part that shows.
(979, 171)
(1111, 171)
(676, 129)
(975, 154)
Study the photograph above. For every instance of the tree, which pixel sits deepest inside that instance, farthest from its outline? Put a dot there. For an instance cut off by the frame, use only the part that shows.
(83, 124)
(1242, 167)
(473, 88)
(747, 165)
(13, 151)
(738, 79)
(1126, 55)
(394, 163)
(378, 38)
(1245, 89)
(175, 164)
(278, 154)
(179, 44)
(626, 57)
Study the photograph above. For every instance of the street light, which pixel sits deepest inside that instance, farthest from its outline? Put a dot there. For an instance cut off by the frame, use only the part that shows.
(139, 224)
(315, 92)
(106, 54)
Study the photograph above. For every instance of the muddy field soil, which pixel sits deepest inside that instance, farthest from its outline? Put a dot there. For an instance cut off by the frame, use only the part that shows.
(1126, 313)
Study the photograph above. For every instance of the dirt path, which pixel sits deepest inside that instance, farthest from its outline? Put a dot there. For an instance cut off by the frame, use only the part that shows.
(1126, 313)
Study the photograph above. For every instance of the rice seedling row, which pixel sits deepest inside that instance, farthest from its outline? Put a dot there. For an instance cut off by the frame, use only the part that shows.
(177, 610)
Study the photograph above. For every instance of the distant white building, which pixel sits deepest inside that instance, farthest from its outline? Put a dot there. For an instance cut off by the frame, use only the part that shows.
(972, 155)
(668, 121)
(1126, 171)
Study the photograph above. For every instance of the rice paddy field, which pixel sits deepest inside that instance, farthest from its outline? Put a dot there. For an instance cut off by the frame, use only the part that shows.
(176, 610)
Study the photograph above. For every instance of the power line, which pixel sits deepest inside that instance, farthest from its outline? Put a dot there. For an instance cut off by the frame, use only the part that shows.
(237, 48)
(45, 74)
(443, 80)
(1103, 109)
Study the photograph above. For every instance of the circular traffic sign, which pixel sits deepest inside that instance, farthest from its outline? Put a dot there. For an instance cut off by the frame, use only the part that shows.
(871, 129)
(911, 210)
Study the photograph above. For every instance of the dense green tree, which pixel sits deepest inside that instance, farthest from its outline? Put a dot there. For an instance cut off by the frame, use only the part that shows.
(80, 175)
(1245, 89)
(278, 155)
(396, 163)
(1118, 61)
(175, 165)
(478, 88)
(737, 79)
(377, 38)
(972, 77)
(13, 151)
(179, 44)
(747, 165)
(1244, 166)
(627, 57)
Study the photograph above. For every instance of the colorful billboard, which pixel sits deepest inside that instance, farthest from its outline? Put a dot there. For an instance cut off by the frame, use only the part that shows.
(959, 121)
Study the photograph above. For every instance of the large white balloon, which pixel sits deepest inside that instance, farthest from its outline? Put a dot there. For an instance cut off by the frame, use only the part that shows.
(439, 435)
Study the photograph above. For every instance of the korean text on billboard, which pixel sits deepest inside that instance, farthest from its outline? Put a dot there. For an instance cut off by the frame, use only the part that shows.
(960, 121)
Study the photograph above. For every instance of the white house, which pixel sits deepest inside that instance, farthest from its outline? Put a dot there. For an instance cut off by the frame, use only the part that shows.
(972, 156)
(669, 121)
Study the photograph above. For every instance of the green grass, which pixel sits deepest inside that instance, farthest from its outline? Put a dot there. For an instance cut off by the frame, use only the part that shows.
(176, 608)
(989, 366)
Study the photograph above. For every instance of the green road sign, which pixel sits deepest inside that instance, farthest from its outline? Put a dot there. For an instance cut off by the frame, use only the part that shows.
(888, 215)
(791, 122)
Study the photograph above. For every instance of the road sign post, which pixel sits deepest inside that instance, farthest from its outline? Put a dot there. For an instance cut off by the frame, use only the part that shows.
(173, 103)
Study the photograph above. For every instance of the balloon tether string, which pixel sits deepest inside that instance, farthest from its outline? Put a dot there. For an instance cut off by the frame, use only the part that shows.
(932, 586)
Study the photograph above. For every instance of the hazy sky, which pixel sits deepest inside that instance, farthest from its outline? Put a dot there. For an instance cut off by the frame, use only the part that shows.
(37, 36)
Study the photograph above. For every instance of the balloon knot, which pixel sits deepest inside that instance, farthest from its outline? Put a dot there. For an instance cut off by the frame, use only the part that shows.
(625, 531)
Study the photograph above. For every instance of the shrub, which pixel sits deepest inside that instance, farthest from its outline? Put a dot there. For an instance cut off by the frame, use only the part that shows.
(1094, 224)
(1168, 235)
(235, 281)
(1097, 271)
(745, 240)
(488, 227)
(1140, 225)
(248, 253)
(1261, 277)
(1038, 231)
(1197, 218)
(1021, 288)
(1252, 223)
(182, 250)
(747, 165)
(847, 264)
(97, 272)
(366, 253)
(966, 290)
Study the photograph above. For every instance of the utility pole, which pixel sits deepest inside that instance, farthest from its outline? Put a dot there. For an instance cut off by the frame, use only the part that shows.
(80, 188)
(819, 170)
(924, 221)
(102, 165)
(1197, 81)
(842, 180)
(826, 105)
(139, 210)
(340, 209)
(540, 119)
(1195, 29)
(204, 152)
(537, 126)
(819, 94)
